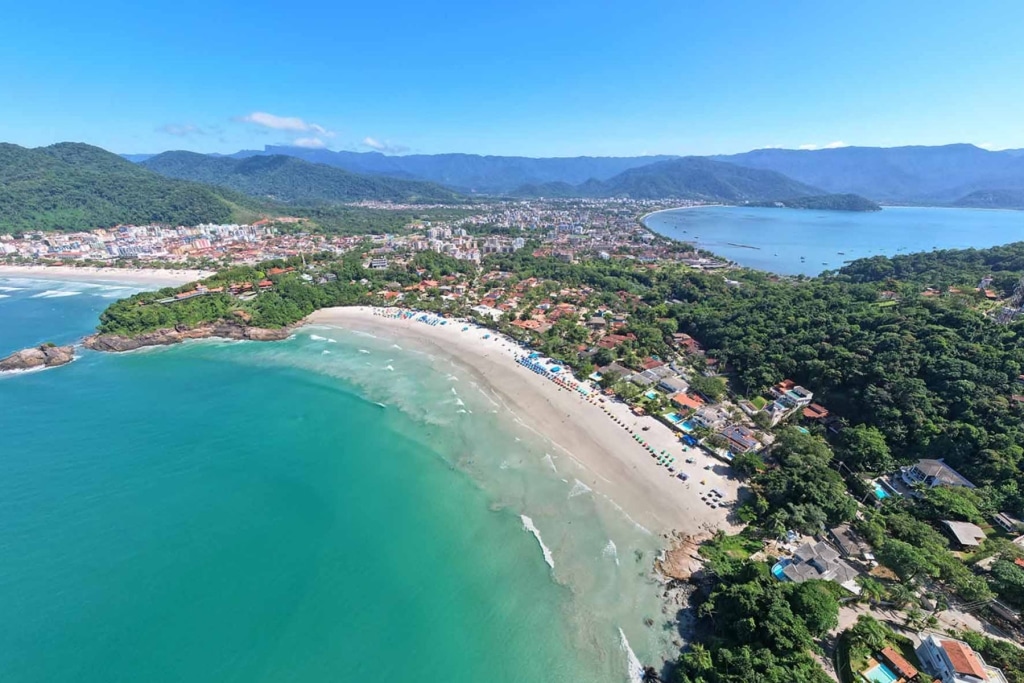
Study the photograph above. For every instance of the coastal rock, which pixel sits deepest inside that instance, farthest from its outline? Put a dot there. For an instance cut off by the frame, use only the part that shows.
(222, 329)
(45, 356)
(681, 559)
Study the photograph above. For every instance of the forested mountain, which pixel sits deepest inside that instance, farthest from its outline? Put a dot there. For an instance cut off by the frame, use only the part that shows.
(292, 180)
(73, 186)
(695, 178)
(992, 199)
(467, 172)
(936, 175)
(829, 202)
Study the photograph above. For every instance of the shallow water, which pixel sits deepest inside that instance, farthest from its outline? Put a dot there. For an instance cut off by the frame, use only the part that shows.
(776, 239)
(239, 511)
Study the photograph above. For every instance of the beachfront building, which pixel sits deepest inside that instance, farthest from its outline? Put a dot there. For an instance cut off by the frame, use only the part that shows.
(967, 535)
(953, 661)
(933, 473)
(817, 561)
(740, 438)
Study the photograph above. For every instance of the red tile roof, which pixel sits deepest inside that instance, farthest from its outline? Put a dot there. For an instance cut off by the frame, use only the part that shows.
(963, 659)
(898, 662)
(686, 401)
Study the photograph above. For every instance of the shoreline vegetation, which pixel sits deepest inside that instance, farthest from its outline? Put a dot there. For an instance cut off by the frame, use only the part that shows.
(913, 355)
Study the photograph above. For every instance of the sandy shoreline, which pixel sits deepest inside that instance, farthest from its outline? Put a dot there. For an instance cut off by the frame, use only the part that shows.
(616, 465)
(132, 276)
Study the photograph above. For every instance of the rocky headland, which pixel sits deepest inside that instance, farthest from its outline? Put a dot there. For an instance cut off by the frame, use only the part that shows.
(175, 335)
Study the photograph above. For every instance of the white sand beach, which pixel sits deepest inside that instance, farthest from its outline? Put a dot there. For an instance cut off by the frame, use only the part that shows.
(133, 276)
(593, 432)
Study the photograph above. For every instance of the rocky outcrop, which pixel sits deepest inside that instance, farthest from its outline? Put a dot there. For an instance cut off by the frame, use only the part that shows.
(45, 356)
(681, 559)
(175, 335)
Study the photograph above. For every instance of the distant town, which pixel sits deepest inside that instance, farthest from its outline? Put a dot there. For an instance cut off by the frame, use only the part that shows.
(569, 230)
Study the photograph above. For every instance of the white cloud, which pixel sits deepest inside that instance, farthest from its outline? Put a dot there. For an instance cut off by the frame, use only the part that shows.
(986, 145)
(807, 148)
(835, 145)
(309, 143)
(385, 147)
(181, 130)
(291, 123)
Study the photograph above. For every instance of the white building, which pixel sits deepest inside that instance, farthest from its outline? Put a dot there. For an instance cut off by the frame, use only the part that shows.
(953, 661)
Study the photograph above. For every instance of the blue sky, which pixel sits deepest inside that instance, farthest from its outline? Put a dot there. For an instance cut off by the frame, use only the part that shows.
(553, 78)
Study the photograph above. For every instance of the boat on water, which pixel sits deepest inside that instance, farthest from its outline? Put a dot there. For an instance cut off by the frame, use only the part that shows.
(841, 253)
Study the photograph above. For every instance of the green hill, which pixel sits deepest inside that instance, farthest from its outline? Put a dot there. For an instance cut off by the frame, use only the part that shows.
(992, 199)
(827, 202)
(73, 186)
(294, 181)
(694, 178)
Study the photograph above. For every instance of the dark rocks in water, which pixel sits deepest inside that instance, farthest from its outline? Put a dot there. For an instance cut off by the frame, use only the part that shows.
(176, 335)
(45, 356)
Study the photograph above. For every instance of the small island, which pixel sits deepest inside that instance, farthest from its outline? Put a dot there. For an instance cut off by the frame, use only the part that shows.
(47, 355)
(824, 202)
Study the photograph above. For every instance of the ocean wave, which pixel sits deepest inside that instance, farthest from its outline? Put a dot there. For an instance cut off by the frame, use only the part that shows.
(635, 670)
(389, 367)
(459, 402)
(332, 341)
(12, 289)
(317, 337)
(54, 294)
(611, 551)
(550, 462)
(363, 351)
(396, 346)
(578, 489)
(529, 526)
(5, 296)
(325, 352)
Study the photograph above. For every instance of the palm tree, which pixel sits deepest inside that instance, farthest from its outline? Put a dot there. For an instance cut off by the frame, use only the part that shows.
(650, 675)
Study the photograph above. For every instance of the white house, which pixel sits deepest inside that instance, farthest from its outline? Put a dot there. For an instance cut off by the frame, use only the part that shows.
(953, 661)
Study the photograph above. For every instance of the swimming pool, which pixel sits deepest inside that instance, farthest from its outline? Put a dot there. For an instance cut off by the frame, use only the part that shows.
(687, 426)
(651, 395)
(880, 493)
(777, 570)
(880, 673)
(674, 418)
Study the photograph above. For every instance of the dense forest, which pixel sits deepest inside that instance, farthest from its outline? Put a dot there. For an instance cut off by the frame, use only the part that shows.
(828, 202)
(293, 181)
(71, 186)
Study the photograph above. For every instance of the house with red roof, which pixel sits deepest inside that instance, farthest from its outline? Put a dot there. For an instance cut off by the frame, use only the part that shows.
(953, 661)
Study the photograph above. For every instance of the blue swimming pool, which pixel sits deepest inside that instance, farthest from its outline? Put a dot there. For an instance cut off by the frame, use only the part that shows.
(687, 426)
(651, 395)
(777, 570)
(880, 493)
(674, 418)
(880, 673)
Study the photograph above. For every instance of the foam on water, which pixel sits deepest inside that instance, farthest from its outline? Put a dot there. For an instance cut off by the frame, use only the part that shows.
(550, 462)
(578, 489)
(529, 526)
(363, 351)
(54, 294)
(317, 337)
(389, 367)
(5, 296)
(635, 670)
(611, 551)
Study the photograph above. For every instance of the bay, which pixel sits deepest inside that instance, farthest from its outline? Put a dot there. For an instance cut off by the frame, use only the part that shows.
(775, 239)
(294, 511)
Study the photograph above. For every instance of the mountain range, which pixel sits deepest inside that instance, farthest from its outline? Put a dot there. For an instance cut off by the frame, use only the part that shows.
(291, 180)
(942, 175)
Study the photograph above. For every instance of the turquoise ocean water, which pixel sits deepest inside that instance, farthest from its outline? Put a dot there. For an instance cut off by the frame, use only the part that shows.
(249, 512)
(782, 236)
